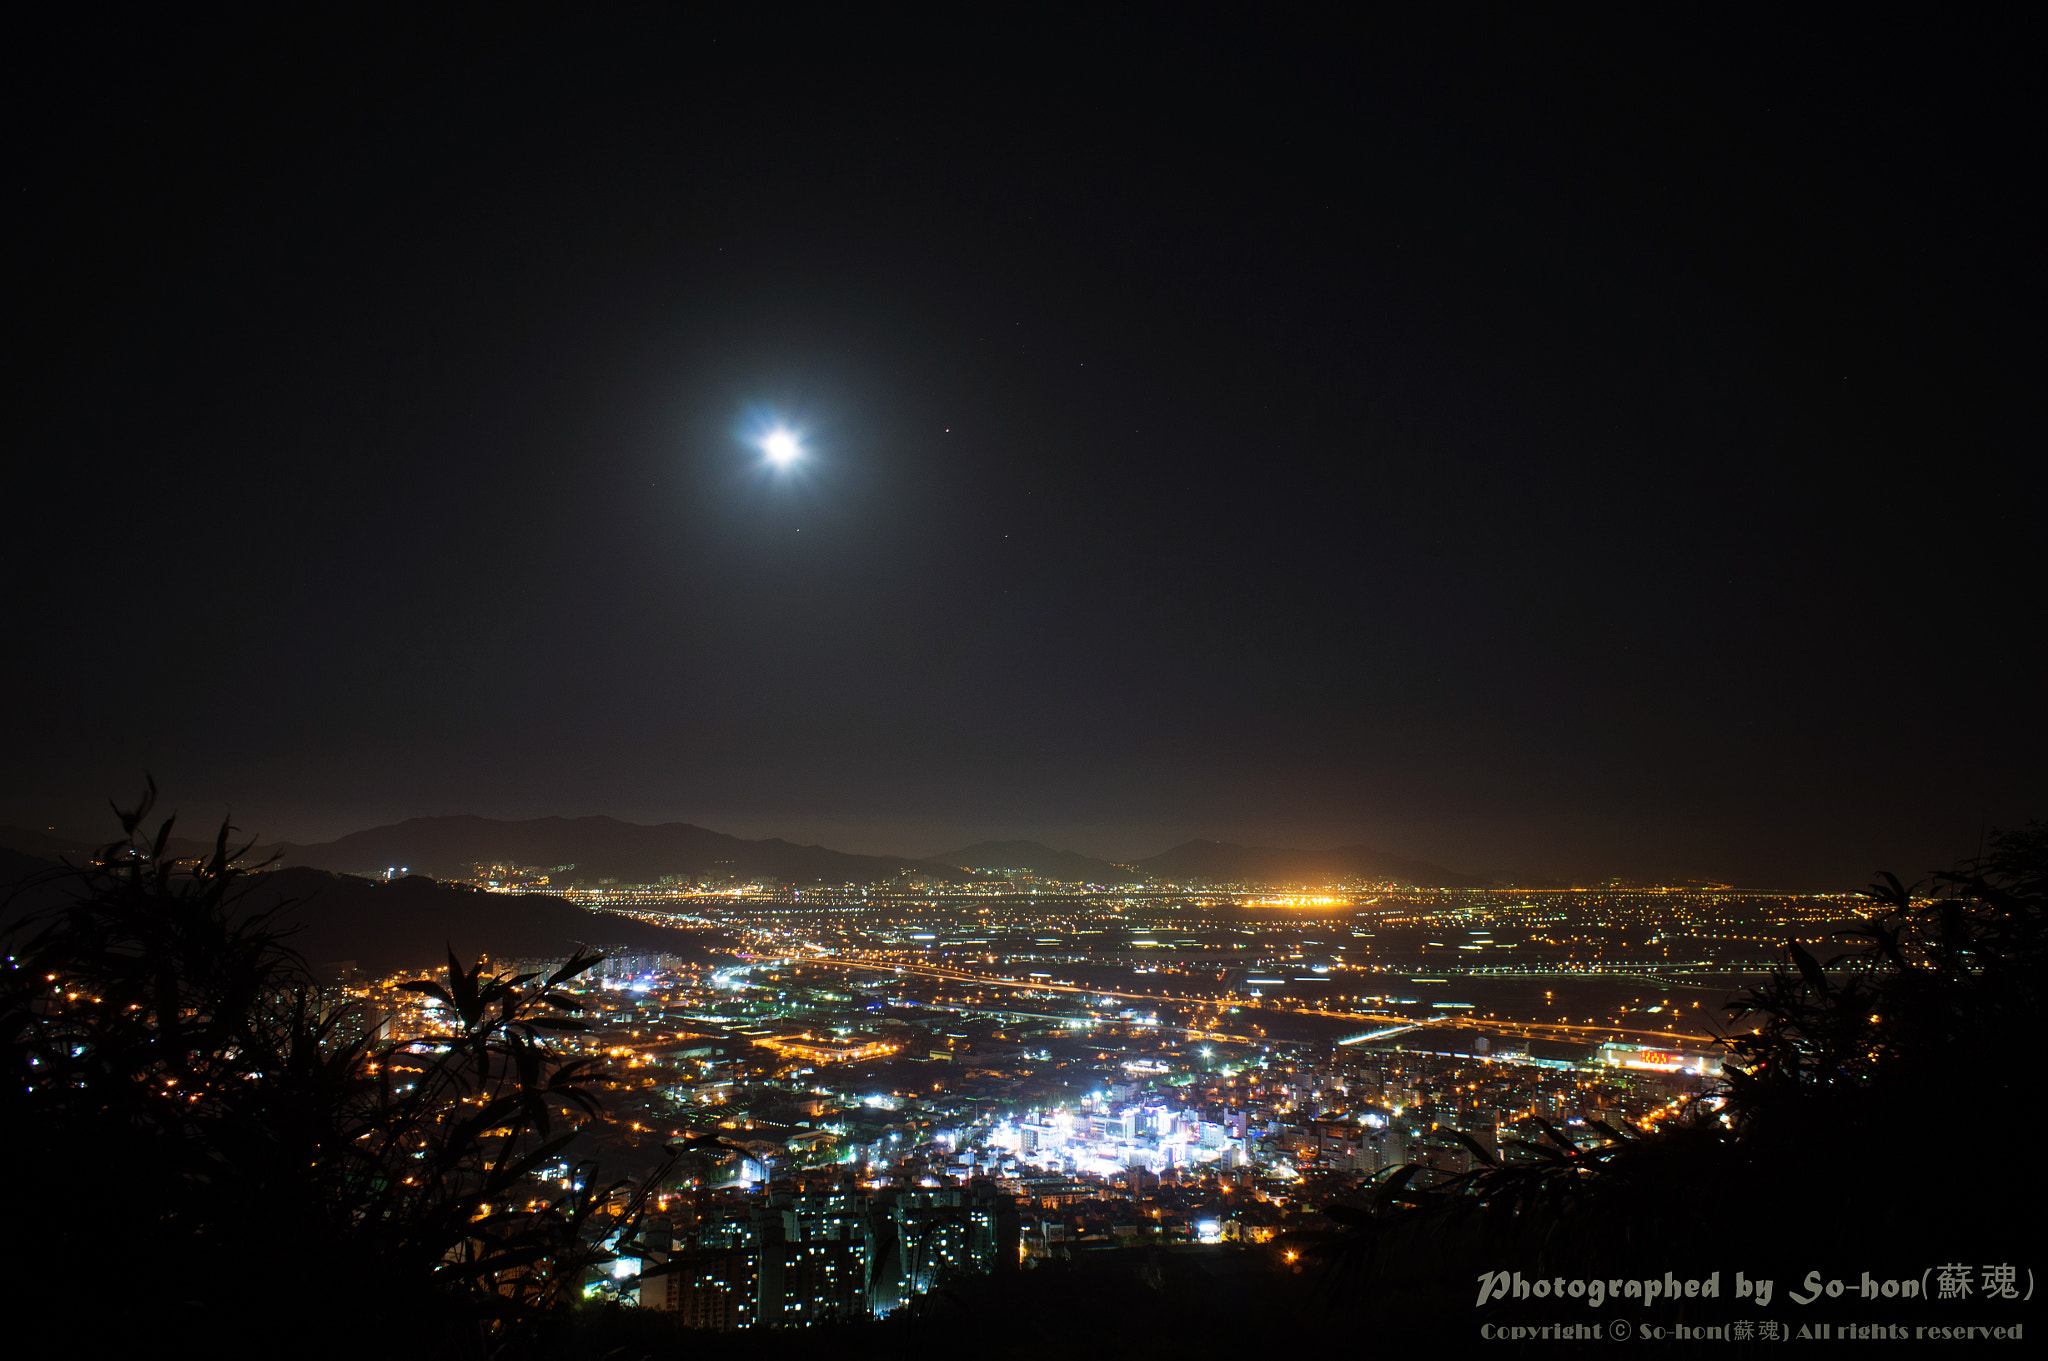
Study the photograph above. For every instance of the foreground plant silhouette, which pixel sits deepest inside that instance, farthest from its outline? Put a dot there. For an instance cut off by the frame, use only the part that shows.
(199, 1150)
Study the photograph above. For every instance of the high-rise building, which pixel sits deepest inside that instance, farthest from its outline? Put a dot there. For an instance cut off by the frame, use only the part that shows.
(827, 1254)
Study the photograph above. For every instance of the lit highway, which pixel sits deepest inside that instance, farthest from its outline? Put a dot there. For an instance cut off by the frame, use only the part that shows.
(1522, 1029)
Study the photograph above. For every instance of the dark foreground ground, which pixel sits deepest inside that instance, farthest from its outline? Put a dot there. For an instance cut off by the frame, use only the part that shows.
(1134, 1302)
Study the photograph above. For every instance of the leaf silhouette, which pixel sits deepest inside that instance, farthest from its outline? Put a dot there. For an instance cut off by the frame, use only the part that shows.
(1809, 967)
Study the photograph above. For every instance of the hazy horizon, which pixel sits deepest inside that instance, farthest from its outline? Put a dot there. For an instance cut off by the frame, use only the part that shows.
(1447, 848)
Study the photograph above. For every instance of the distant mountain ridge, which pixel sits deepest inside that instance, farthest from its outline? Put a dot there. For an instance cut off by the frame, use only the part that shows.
(1222, 862)
(634, 853)
(608, 848)
(1033, 857)
(598, 848)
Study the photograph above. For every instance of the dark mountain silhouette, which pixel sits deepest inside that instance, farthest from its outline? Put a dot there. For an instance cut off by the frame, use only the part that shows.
(1221, 862)
(1067, 867)
(382, 927)
(597, 848)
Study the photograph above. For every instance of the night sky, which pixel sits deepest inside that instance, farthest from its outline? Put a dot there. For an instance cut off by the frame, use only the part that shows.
(1540, 447)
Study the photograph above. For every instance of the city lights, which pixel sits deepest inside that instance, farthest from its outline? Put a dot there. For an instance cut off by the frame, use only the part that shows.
(1090, 1068)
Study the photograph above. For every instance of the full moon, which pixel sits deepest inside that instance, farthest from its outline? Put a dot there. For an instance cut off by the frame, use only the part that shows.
(781, 448)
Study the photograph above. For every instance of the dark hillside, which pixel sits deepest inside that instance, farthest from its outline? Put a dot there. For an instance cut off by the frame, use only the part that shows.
(411, 922)
(384, 927)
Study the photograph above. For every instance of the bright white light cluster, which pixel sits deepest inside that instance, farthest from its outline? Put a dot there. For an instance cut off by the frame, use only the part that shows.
(1104, 1139)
